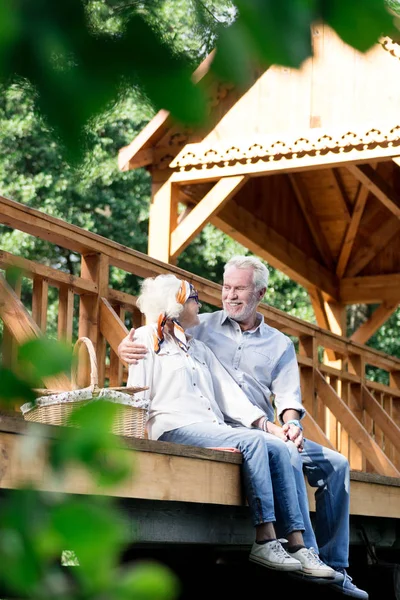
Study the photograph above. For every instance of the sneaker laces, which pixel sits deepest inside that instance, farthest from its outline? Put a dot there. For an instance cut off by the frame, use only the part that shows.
(314, 558)
(343, 571)
(279, 550)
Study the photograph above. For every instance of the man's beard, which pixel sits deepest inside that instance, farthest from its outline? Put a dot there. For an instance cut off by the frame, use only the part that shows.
(244, 314)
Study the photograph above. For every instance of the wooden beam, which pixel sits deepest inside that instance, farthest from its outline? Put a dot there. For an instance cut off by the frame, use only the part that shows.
(265, 242)
(55, 277)
(377, 186)
(370, 289)
(145, 139)
(371, 247)
(351, 231)
(201, 214)
(381, 418)
(377, 319)
(314, 225)
(359, 434)
(23, 328)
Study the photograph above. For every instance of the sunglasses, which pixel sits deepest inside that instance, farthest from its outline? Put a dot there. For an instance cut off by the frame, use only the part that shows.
(194, 296)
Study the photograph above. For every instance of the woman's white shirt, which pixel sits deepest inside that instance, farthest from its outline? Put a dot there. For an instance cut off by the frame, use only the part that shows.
(187, 387)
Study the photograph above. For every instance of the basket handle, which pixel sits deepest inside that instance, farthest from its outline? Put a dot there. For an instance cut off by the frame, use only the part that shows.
(85, 341)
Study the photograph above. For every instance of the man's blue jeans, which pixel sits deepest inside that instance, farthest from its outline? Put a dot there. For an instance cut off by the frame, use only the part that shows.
(329, 472)
(267, 472)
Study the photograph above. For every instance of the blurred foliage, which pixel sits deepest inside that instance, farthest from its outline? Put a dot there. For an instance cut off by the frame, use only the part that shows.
(79, 55)
(79, 80)
(38, 528)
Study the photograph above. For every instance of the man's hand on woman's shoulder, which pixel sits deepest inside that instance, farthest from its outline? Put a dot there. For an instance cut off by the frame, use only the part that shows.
(131, 351)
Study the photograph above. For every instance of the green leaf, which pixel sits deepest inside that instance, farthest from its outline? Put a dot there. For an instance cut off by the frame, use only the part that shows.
(13, 388)
(148, 581)
(48, 357)
(360, 23)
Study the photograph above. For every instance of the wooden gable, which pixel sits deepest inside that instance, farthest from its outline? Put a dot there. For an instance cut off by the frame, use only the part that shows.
(302, 168)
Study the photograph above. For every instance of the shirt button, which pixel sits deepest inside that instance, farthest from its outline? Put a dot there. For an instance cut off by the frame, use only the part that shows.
(208, 408)
(240, 347)
(194, 384)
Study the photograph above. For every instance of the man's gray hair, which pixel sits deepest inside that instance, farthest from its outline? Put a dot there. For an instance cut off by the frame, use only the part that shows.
(158, 295)
(261, 273)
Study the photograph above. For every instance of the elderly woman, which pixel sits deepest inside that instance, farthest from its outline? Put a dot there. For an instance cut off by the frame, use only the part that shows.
(190, 393)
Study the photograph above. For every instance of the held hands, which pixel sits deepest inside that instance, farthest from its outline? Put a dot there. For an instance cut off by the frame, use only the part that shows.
(130, 351)
(294, 434)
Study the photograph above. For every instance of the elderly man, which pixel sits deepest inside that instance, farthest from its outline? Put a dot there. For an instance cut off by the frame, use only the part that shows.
(262, 360)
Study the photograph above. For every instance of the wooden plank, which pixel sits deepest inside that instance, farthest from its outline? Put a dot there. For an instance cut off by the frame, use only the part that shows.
(371, 289)
(94, 267)
(377, 319)
(377, 186)
(308, 211)
(9, 346)
(202, 213)
(39, 302)
(23, 327)
(115, 374)
(157, 476)
(65, 313)
(55, 277)
(381, 417)
(351, 231)
(366, 444)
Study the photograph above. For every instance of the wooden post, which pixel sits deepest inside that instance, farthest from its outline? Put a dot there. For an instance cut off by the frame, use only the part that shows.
(163, 219)
(39, 301)
(94, 267)
(308, 347)
(356, 365)
(65, 313)
(10, 347)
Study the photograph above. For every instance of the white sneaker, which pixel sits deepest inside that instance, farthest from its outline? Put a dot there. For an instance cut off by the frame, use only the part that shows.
(312, 565)
(274, 556)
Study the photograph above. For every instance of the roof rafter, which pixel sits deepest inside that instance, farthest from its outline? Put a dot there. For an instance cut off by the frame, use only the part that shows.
(371, 247)
(351, 231)
(378, 186)
(377, 319)
(308, 211)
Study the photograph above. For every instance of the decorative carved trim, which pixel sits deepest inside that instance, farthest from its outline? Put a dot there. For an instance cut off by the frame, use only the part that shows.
(285, 147)
(390, 46)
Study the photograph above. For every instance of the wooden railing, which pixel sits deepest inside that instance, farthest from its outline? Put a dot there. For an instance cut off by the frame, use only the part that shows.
(346, 410)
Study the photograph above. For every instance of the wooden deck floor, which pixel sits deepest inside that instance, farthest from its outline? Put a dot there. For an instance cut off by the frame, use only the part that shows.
(183, 494)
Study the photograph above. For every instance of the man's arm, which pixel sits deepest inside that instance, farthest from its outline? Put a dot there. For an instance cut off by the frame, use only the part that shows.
(285, 386)
(130, 350)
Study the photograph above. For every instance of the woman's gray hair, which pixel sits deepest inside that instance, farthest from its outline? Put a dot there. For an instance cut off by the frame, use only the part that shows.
(158, 295)
(261, 273)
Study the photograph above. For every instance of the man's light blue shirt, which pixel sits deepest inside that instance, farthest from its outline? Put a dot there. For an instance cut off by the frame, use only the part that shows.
(262, 361)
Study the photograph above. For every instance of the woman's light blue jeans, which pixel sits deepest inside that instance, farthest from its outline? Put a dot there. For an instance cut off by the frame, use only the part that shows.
(267, 473)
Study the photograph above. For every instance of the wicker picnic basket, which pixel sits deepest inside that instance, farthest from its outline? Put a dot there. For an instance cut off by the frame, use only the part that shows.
(55, 407)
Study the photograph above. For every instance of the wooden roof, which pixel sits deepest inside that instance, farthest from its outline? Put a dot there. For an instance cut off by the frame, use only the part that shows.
(316, 154)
